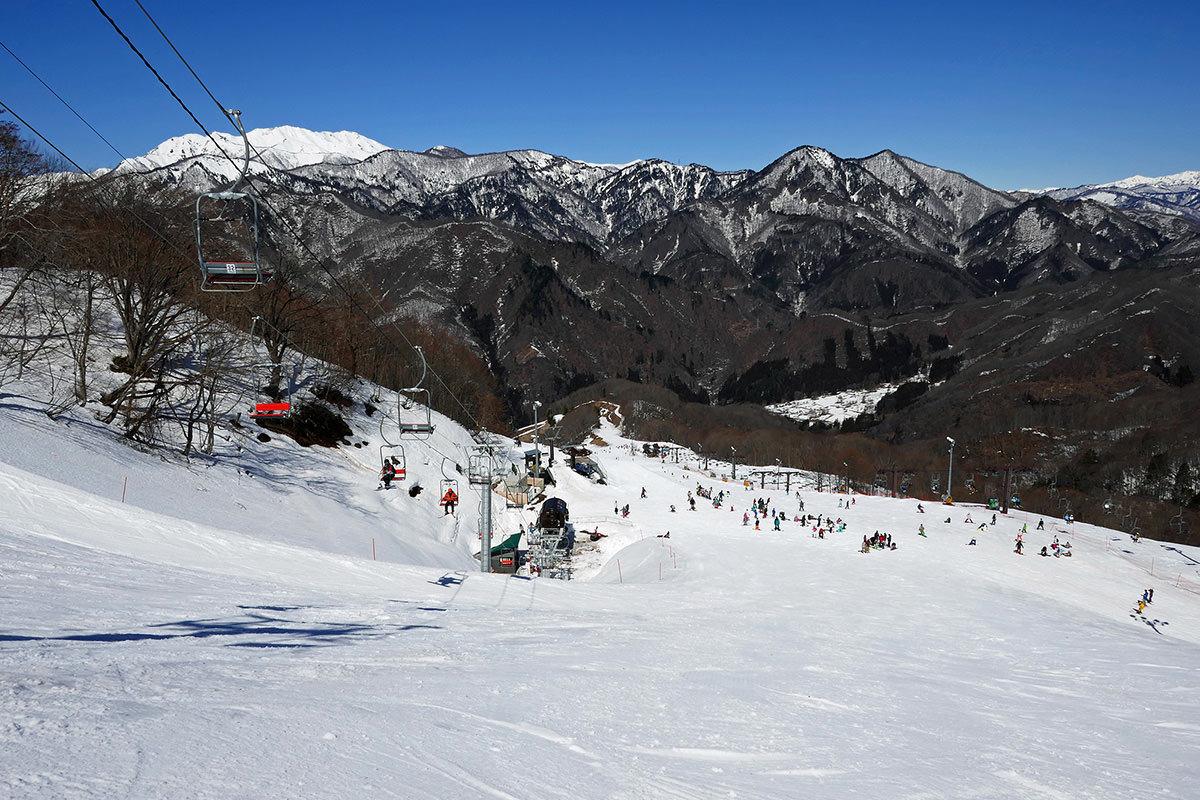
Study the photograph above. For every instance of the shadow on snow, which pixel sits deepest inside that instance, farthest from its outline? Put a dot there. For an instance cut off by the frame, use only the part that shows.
(256, 630)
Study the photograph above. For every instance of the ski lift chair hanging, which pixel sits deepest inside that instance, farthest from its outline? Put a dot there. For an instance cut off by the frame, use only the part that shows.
(279, 406)
(417, 427)
(227, 242)
(226, 227)
(393, 453)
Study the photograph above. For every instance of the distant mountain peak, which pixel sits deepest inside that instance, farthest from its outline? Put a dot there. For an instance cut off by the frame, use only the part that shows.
(1177, 194)
(284, 147)
(445, 151)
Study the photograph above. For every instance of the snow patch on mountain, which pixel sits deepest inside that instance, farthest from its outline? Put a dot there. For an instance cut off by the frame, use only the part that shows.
(832, 409)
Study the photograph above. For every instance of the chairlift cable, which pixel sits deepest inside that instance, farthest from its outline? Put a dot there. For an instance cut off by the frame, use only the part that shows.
(295, 234)
(149, 226)
(299, 239)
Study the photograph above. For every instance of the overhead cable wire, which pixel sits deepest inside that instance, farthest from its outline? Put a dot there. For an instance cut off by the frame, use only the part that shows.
(60, 99)
(149, 226)
(295, 234)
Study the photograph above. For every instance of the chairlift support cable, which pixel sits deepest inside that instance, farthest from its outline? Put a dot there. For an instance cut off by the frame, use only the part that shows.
(148, 225)
(299, 239)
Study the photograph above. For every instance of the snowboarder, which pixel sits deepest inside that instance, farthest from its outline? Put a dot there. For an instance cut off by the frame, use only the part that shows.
(921, 531)
(920, 508)
(1041, 525)
(643, 492)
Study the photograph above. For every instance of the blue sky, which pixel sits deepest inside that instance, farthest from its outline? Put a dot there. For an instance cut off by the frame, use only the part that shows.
(1016, 94)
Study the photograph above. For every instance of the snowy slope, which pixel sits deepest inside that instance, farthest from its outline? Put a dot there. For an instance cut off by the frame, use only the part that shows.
(219, 634)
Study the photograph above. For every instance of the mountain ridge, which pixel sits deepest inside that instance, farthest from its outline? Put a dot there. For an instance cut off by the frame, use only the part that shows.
(813, 275)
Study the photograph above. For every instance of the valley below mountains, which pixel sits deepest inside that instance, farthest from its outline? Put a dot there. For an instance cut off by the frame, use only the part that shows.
(1052, 331)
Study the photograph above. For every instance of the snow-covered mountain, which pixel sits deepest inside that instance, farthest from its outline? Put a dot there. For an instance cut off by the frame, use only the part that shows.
(282, 148)
(808, 277)
(1171, 194)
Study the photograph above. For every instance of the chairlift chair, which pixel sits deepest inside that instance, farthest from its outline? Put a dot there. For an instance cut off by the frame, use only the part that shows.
(391, 451)
(227, 242)
(226, 227)
(419, 428)
(395, 454)
(280, 404)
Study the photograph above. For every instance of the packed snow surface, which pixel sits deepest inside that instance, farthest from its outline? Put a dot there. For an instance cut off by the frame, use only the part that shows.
(269, 624)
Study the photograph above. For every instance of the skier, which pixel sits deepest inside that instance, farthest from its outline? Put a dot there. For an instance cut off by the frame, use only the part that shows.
(449, 500)
(389, 474)
(1041, 525)
(643, 492)
(920, 508)
(921, 531)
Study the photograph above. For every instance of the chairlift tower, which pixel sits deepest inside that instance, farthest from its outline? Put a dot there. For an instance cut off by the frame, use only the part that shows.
(480, 472)
(950, 473)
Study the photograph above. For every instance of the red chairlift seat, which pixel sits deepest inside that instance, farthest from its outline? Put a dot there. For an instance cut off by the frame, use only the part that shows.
(271, 410)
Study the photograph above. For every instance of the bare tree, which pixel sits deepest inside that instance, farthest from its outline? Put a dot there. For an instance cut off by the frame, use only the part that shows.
(138, 245)
(20, 166)
(23, 187)
(206, 393)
